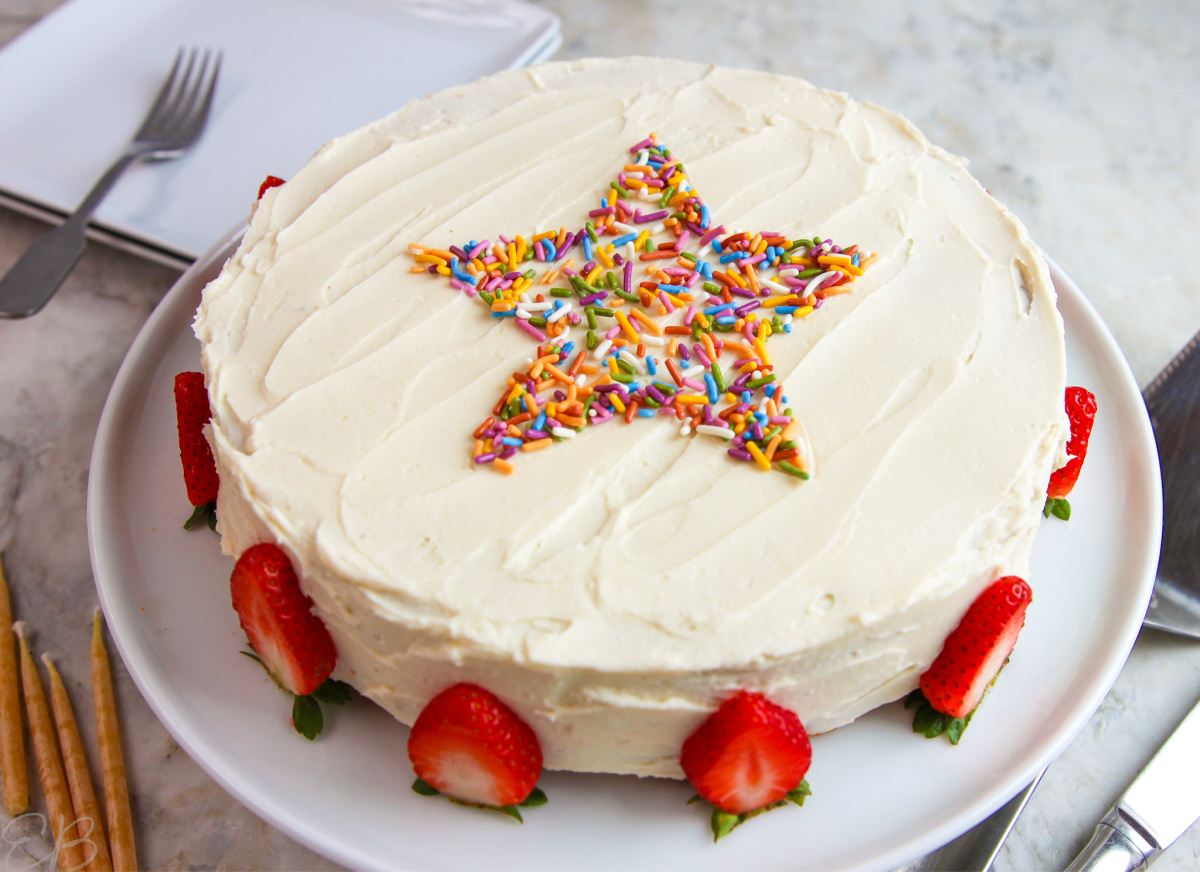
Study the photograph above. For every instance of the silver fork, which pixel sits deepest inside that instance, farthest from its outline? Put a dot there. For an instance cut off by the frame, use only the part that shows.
(172, 125)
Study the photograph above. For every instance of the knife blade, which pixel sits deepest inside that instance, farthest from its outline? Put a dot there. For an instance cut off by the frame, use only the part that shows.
(1173, 401)
(1157, 808)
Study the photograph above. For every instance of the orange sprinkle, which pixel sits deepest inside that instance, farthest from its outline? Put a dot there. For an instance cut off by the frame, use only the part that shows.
(537, 444)
(503, 465)
(651, 325)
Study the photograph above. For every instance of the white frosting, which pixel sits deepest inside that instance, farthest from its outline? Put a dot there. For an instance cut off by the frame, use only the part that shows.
(617, 587)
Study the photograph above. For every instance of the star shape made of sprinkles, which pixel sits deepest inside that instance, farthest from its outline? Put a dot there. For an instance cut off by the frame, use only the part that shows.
(673, 314)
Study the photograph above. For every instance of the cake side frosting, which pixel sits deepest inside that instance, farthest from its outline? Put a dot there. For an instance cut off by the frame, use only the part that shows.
(616, 588)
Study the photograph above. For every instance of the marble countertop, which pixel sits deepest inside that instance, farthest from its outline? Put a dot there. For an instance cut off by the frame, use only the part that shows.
(1080, 116)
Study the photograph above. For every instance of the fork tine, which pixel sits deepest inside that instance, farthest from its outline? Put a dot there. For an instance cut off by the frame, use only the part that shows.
(189, 94)
(164, 91)
(200, 117)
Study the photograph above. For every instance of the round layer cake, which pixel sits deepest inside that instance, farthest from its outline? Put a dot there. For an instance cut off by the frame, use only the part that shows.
(617, 587)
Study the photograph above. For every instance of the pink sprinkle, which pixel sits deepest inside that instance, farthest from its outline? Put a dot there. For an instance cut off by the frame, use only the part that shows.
(683, 238)
(613, 333)
(645, 143)
(469, 290)
(693, 384)
(479, 246)
(689, 316)
(539, 251)
(711, 235)
(530, 329)
(666, 301)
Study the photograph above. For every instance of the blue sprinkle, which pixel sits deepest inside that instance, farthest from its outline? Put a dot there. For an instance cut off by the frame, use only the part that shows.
(512, 440)
(587, 247)
(632, 388)
(541, 421)
(623, 240)
(713, 310)
(725, 320)
(770, 390)
(459, 274)
(707, 269)
(551, 251)
(651, 365)
(785, 310)
(761, 416)
(854, 259)
(511, 313)
(784, 400)
(559, 302)
(746, 396)
(711, 382)
(716, 245)
(787, 328)
(734, 255)
(704, 220)
(645, 413)
(569, 347)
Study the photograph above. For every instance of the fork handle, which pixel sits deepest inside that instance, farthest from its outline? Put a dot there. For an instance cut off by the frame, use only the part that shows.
(45, 265)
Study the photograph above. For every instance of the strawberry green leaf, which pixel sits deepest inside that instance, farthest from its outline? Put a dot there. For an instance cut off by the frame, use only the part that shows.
(253, 656)
(536, 798)
(695, 799)
(1059, 508)
(724, 822)
(205, 513)
(933, 723)
(799, 793)
(424, 788)
(307, 717)
(334, 692)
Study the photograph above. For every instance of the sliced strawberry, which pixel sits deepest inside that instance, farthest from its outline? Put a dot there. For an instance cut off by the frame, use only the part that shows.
(749, 753)
(974, 652)
(277, 617)
(470, 746)
(269, 182)
(199, 468)
(1081, 410)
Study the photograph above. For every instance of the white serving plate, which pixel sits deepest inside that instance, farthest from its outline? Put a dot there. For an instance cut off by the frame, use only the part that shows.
(882, 795)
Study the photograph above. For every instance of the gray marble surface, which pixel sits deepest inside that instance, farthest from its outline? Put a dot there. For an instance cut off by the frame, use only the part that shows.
(1082, 117)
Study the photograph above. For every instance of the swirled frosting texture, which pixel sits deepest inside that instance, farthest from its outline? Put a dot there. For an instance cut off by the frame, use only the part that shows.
(616, 588)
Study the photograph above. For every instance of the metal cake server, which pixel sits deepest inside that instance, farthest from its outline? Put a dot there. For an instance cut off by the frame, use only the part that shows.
(1156, 809)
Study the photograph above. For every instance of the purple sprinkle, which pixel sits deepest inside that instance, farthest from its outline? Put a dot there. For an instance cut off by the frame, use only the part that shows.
(505, 239)
(747, 308)
(508, 452)
(628, 277)
(682, 240)
(742, 292)
(553, 422)
(535, 434)
(592, 298)
(653, 216)
(655, 392)
(740, 454)
(698, 350)
(684, 353)
(599, 213)
(539, 251)
(486, 458)
(757, 430)
(455, 250)
(606, 389)
(740, 382)
(559, 396)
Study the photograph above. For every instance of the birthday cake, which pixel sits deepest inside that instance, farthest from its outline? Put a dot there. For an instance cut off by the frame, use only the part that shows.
(616, 387)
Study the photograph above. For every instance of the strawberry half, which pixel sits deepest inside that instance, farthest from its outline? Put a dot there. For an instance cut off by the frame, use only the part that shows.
(974, 652)
(750, 753)
(290, 641)
(1081, 410)
(470, 746)
(199, 468)
(269, 182)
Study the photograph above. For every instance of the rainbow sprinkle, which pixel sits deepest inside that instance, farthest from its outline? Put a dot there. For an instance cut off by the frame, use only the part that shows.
(686, 337)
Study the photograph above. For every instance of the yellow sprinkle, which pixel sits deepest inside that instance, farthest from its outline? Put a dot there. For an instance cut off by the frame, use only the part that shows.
(758, 456)
(522, 247)
(736, 279)
(739, 428)
(551, 410)
(749, 366)
(702, 320)
(430, 258)
(591, 277)
(692, 399)
(515, 392)
(650, 324)
(826, 259)
(641, 240)
(800, 313)
(772, 302)
(545, 234)
(512, 255)
(847, 268)
(627, 327)
(730, 398)
(605, 257)
(616, 401)
(761, 348)
(443, 270)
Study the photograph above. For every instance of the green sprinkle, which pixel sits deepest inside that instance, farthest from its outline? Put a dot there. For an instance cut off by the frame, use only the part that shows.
(809, 273)
(648, 247)
(665, 388)
(603, 313)
(776, 325)
(591, 232)
(755, 384)
(559, 292)
(695, 331)
(625, 366)
(688, 256)
(537, 322)
(718, 377)
(679, 216)
(793, 470)
(627, 296)
(591, 340)
(616, 186)
(611, 279)
(486, 297)
(529, 273)
(587, 404)
(788, 412)
(622, 377)
(770, 434)
(787, 445)
(724, 328)
(590, 312)
(711, 288)
(651, 402)
(666, 197)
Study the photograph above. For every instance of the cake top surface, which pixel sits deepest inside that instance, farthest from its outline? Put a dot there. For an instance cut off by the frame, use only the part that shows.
(345, 388)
